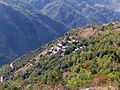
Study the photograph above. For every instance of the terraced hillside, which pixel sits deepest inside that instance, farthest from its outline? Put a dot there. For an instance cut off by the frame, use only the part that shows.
(87, 57)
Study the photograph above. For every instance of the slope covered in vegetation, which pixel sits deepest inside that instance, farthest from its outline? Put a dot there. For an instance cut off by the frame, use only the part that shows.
(84, 57)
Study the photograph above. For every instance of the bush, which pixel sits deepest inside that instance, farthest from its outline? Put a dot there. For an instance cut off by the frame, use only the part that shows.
(53, 77)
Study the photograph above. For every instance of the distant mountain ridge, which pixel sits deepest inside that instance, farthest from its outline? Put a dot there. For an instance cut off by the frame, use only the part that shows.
(75, 13)
(39, 4)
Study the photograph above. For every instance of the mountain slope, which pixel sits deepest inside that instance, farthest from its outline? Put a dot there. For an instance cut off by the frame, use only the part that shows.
(76, 13)
(112, 4)
(84, 57)
(22, 31)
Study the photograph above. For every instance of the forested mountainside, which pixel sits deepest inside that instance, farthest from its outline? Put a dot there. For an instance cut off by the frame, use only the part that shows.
(74, 13)
(22, 31)
(86, 57)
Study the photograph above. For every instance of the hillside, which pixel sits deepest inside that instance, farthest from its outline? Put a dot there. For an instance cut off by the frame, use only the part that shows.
(86, 57)
(22, 31)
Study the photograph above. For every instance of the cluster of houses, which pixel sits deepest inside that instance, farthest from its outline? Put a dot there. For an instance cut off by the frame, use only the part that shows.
(62, 45)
